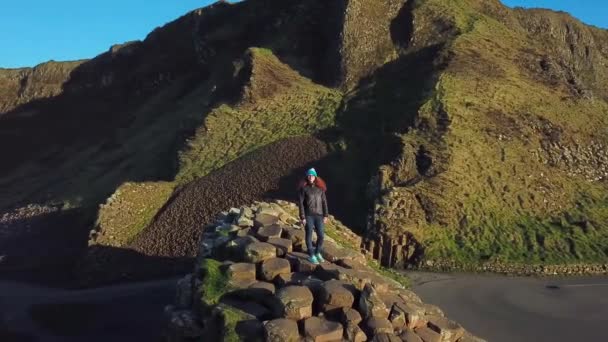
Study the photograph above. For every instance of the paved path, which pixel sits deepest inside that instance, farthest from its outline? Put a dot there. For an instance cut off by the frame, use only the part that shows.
(118, 313)
(500, 308)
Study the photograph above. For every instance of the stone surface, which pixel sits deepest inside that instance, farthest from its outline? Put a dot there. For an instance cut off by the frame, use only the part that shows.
(377, 325)
(185, 323)
(270, 268)
(296, 302)
(262, 285)
(336, 294)
(432, 310)
(281, 330)
(297, 237)
(354, 333)
(448, 329)
(300, 263)
(349, 316)
(370, 303)
(409, 335)
(267, 232)
(408, 315)
(183, 293)
(241, 272)
(427, 334)
(321, 330)
(259, 251)
(264, 220)
(283, 246)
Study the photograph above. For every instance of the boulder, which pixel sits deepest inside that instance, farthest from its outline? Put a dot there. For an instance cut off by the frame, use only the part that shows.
(241, 273)
(448, 329)
(283, 246)
(281, 330)
(300, 263)
(377, 325)
(270, 268)
(297, 237)
(409, 335)
(354, 333)
(264, 220)
(370, 303)
(262, 285)
(317, 329)
(267, 232)
(336, 294)
(296, 302)
(259, 251)
(349, 316)
(427, 334)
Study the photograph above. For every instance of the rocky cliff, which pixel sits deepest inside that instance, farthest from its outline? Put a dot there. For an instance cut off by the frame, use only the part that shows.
(452, 131)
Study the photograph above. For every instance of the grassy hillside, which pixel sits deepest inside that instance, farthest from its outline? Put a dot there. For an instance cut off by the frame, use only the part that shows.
(518, 174)
(458, 130)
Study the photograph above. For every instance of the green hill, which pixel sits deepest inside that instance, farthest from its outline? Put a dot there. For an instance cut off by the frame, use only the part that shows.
(458, 132)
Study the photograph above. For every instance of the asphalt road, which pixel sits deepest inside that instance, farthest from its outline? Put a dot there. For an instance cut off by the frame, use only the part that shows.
(126, 313)
(499, 308)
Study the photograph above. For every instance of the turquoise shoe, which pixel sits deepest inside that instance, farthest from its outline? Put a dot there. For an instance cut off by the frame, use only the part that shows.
(313, 259)
(320, 257)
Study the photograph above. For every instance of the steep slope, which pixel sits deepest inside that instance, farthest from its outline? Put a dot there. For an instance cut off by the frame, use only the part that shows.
(506, 159)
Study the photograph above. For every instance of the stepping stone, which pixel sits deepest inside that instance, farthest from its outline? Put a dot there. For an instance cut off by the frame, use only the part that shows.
(332, 252)
(321, 330)
(428, 335)
(236, 248)
(299, 262)
(283, 246)
(270, 268)
(244, 222)
(412, 315)
(293, 278)
(296, 302)
(241, 272)
(297, 237)
(448, 329)
(409, 296)
(243, 232)
(409, 335)
(370, 303)
(354, 333)
(249, 307)
(377, 325)
(279, 330)
(264, 220)
(259, 251)
(262, 285)
(349, 316)
(351, 264)
(267, 232)
(336, 294)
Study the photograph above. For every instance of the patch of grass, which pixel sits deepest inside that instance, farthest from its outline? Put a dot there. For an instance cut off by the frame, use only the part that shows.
(231, 317)
(129, 210)
(390, 273)
(215, 282)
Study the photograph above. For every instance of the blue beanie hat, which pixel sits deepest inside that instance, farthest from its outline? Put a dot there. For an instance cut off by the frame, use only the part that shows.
(311, 172)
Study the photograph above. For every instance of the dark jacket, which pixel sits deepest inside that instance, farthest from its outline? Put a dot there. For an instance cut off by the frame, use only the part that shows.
(312, 201)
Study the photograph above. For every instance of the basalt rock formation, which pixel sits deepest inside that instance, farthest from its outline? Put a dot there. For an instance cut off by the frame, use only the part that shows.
(458, 132)
(246, 286)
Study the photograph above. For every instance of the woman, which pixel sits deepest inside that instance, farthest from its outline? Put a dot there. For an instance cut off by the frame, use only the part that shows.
(313, 212)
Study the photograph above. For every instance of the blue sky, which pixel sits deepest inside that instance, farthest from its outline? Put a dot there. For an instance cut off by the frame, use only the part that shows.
(34, 31)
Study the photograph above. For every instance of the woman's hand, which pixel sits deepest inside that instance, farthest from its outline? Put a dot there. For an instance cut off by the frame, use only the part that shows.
(324, 219)
(303, 221)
